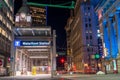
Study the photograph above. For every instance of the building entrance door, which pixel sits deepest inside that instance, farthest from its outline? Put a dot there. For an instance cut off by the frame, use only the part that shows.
(31, 61)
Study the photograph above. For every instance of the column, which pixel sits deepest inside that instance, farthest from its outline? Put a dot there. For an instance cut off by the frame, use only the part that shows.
(13, 51)
(27, 63)
(20, 61)
(113, 39)
(117, 19)
(113, 44)
(31, 60)
(106, 40)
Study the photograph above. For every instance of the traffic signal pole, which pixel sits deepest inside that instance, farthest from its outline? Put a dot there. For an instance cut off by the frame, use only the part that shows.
(97, 65)
(53, 5)
(97, 57)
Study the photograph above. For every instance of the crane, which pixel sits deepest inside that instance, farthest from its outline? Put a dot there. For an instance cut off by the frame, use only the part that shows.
(64, 5)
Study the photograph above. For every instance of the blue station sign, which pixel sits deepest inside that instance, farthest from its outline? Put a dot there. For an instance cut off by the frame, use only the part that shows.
(32, 43)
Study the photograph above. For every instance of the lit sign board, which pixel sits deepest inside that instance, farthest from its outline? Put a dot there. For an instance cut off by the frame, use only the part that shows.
(32, 43)
(17, 43)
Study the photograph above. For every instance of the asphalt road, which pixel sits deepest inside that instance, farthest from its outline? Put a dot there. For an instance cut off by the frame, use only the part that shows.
(65, 77)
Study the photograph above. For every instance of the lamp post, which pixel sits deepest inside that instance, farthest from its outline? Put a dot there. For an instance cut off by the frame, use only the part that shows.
(53, 55)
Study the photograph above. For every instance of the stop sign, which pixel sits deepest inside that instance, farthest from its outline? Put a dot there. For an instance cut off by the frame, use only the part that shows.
(0, 62)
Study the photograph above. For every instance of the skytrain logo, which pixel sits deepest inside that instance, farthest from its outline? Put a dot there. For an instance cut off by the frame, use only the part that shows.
(17, 43)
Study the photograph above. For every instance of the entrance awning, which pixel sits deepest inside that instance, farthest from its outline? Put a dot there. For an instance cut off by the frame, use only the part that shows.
(33, 31)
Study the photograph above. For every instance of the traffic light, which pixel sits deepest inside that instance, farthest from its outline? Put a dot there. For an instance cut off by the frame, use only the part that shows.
(9, 59)
(62, 60)
(97, 56)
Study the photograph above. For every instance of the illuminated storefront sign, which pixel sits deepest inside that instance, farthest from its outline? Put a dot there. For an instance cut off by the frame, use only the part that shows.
(32, 43)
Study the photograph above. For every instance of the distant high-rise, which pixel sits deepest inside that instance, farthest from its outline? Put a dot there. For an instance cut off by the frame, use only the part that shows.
(82, 36)
(39, 15)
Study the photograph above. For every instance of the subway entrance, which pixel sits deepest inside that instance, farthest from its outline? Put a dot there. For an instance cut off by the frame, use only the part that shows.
(33, 51)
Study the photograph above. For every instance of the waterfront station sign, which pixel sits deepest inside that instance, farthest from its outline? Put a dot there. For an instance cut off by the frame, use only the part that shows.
(32, 43)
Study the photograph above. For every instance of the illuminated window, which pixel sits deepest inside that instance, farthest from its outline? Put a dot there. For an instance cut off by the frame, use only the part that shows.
(3, 20)
(3, 32)
(84, 0)
(0, 17)
(7, 14)
(98, 31)
(90, 31)
(17, 19)
(6, 1)
(0, 30)
(86, 31)
(9, 27)
(9, 37)
(28, 18)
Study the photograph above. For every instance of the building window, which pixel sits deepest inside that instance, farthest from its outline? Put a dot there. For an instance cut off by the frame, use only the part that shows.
(86, 31)
(92, 49)
(89, 14)
(91, 43)
(90, 31)
(90, 36)
(85, 14)
(88, 8)
(89, 25)
(85, 19)
(86, 25)
(0, 17)
(86, 37)
(89, 19)
(88, 49)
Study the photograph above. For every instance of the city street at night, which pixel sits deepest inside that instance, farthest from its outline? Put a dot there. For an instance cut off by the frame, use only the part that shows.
(66, 77)
(59, 39)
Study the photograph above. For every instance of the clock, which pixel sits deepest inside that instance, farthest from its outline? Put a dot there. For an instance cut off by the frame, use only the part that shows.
(23, 15)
